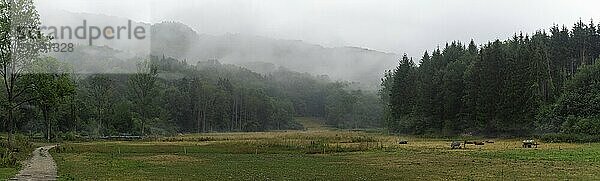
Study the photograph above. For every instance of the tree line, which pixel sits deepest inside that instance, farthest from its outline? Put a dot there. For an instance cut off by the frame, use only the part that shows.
(520, 86)
(167, 96)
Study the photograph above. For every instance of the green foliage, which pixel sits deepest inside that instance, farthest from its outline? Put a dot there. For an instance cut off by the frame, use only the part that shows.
(582, 94)
(569, 138)
(168, 96)
(590, 126)
(402, 94)
(519, 86)
(21, 42)
(143, 89)
(12, 153)
(69, 136)
(576, 111)
(52, 85)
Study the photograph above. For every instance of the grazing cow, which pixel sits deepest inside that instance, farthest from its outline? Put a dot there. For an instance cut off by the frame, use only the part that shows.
(403, 142)
(455, 145)
(530, 144)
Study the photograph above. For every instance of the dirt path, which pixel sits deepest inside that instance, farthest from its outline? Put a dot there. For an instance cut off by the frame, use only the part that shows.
(40, 166)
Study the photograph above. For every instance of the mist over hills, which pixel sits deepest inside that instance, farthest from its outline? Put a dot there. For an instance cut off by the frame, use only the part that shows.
(264, 55)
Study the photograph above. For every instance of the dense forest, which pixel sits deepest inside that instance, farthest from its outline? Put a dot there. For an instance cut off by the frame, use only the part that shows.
(547, 82)
(43, 96)
(169, 96)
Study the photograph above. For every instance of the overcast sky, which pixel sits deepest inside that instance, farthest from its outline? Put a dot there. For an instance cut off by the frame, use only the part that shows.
(398, 26)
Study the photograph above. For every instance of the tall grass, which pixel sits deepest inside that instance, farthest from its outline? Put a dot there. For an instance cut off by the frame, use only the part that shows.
(11, 154)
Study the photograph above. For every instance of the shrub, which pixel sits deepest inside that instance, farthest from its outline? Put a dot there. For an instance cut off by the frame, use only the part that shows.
(21, 147)
(361, 139)
(569, 138)
(7, 158)
(577, 125)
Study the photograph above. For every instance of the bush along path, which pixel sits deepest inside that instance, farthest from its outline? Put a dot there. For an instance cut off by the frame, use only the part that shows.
(40, 166)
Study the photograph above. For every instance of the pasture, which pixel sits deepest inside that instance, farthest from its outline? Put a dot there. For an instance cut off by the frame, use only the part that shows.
(321, 154)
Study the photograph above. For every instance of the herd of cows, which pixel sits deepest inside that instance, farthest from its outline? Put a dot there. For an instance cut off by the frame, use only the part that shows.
(463, 144)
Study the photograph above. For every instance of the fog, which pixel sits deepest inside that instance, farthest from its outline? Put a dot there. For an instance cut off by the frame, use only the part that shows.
(347, 40)
(395, 26)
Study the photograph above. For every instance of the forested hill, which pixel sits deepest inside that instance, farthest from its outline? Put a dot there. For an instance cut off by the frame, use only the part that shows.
(178, 40)
(167, 96)
(354, 64)
(546, 82)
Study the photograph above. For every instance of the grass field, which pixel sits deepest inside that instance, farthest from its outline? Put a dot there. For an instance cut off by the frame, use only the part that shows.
(321, 154)
(6, 173)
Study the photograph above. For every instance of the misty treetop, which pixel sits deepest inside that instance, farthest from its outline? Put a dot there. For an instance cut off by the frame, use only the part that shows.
(528, 84)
